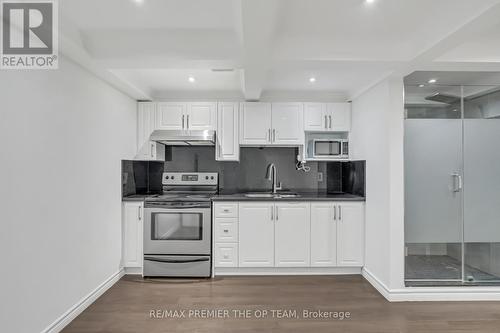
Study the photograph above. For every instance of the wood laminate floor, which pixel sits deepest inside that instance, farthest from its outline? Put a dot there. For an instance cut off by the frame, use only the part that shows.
(127, 306)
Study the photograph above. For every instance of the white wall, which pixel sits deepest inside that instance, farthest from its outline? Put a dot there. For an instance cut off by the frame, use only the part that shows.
(62, 136)
(377, 137)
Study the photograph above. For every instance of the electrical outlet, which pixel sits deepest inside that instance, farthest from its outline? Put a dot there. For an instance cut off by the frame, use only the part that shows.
(320, 176)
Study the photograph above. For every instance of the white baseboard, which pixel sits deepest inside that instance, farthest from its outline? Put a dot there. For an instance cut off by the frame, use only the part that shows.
(82, 304)
(220, 271)
(133, 270)
(433, 294)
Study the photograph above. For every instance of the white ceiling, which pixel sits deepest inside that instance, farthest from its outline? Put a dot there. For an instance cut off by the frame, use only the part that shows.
(276, 45)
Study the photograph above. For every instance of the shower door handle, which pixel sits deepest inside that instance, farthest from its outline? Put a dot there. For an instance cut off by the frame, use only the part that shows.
(457, 182)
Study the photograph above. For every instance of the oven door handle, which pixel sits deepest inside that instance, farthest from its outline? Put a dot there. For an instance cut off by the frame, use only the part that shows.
(175, 261)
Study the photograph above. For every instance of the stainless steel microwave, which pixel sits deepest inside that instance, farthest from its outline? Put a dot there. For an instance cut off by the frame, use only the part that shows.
(331, 148)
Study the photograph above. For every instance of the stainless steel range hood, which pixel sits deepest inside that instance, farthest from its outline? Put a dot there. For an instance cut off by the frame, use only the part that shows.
(184, 138)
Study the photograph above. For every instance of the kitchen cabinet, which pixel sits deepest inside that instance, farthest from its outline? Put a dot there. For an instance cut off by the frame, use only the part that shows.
(350, 234)
(323, 235)
(255, 123)
(201, 116)
(292, 234)
(287, 123)
(186, 116)
(228, 146)
(327, 117)
(256, 234)
(271, 124)
(132, 226)
(146, 123)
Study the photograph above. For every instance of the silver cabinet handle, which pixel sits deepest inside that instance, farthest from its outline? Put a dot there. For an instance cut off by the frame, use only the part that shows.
(269, 133)
(326, 122)
(274, 135)
(335, 213)
(277, 217)
(340, 213)
(152, 149)
(139, 213)
(457, 182)
(226, 210)
(187, 122)
(272, 213)
(226, 231)
(330, 121)
(182, 121)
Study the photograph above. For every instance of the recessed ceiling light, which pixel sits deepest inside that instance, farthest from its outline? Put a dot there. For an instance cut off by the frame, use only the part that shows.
(421, 85)
(370, 1)
(312, 79)
(432, 81)
(138, 2)
(191, 79)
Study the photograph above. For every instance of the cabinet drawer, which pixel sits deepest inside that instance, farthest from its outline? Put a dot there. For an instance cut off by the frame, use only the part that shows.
(226, 255)
(226, 230)
(226, 209)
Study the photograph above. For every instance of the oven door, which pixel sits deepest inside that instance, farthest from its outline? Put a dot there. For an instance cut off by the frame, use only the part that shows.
(177, 228)
(327, 148)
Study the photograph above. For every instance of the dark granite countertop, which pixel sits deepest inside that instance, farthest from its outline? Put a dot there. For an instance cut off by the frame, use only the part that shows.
(240, 196)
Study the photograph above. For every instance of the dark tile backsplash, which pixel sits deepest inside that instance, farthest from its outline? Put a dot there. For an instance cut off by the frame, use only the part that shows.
(144, 177)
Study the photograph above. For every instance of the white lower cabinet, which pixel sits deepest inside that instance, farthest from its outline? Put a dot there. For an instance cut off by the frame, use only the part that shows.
(288, 234)
(132, 224)
(256, 234)
(292, 234)
(350, 234)
(323, 235)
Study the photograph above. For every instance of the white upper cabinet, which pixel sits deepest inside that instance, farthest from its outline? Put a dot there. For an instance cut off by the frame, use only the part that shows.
(292, 234)
(171, 116)
(340, 114)
(255, 123)
(227, 147)
(350, 234)
(146, 124)
(327, 117)
(287, 123)
(323, 235)
(186, 116)
(271, 124)
(201, 116)
(256, 234)
(315, 117)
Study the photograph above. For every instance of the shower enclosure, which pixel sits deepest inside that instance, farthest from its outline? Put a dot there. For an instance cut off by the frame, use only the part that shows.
(452, 184)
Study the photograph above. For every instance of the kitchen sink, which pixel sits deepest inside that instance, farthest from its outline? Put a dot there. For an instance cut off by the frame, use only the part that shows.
(259, 195)
(270, 195)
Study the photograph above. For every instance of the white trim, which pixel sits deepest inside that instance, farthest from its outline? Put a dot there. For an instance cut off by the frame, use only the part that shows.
(287, 271)
(412, 294)
(82, 304)
(133, 270)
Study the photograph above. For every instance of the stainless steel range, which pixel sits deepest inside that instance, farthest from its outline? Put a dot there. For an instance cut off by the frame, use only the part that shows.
(178, 226)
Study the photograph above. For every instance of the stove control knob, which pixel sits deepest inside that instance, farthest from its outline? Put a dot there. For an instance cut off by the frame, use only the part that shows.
(172, 177)
(206, 177)
(167, 177)
(212, 177)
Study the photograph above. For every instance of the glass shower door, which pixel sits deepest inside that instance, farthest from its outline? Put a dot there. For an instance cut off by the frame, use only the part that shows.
(433, 187)
(482, 185)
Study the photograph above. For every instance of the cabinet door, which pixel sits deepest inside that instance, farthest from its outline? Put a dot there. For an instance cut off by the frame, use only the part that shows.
(146, 122)
(201, 116)
(323, 235)
(255, 123)
(288, 123)
(228, 145)
(339, 117)
(171, 116)
(256, 234)
(350, 234)
(292, 234)
(315, 117)
(132, 252)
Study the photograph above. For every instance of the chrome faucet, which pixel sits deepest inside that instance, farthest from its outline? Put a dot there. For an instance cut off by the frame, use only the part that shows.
(271, 174)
